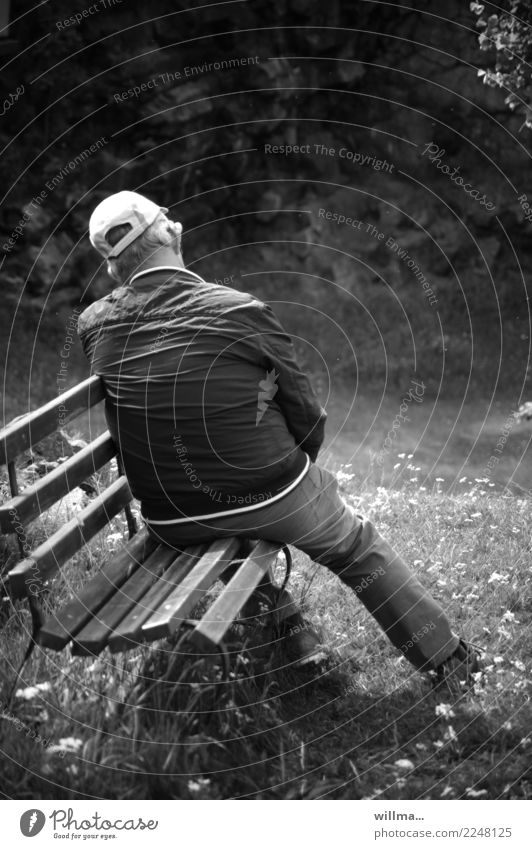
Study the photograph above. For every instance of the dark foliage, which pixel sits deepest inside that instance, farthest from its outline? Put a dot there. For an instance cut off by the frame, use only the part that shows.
(381, 82)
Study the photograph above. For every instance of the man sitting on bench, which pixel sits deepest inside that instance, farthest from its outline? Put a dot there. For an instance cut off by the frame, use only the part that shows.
(219, 430)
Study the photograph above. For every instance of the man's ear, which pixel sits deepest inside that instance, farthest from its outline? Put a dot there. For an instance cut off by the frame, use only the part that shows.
(177, 228)
(112, 273)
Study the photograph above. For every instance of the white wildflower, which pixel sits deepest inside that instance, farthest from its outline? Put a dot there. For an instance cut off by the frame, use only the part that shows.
(32, 692)
(404, 763)
(496, 576)
(444, 709)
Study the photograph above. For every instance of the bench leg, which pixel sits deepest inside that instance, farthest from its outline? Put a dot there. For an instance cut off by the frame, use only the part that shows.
(130, 519)
(301, 643)
(131, 523)
(267, 597)
(37, 620)
(278, 603)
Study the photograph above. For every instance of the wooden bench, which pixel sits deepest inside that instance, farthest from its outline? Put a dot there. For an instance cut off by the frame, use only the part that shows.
(145, 591)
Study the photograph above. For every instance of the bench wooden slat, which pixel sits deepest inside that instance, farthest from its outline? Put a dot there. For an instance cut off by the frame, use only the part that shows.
(59, 629)
(92, 639)
(56, 484)
(30, 429)
(165, 621)
(30, 574)
(221, 614)
(129, 631)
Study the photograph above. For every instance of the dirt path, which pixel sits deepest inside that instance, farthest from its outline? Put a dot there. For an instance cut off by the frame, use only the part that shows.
(449, 439)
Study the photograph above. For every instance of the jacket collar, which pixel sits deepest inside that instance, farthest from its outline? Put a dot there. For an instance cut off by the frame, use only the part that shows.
(159, 268)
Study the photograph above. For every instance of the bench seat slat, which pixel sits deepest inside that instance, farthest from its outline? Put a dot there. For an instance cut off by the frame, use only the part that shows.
(170, 615)
(30, 429)
(93, 638)
(60, 628)
(129, 631)
(30, 574)
(56, 484)
(219, 617)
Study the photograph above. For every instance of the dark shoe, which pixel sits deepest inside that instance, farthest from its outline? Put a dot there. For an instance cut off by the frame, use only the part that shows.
(300, 642)
(460, 667)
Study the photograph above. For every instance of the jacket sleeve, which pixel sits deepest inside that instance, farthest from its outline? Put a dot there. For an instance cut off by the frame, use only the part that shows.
(87, 332)
(305, 417)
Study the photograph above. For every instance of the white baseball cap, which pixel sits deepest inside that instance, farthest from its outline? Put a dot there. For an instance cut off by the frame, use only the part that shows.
(121, 208)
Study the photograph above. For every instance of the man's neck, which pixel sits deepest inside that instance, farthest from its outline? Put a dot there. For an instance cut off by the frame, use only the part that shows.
(160, 258)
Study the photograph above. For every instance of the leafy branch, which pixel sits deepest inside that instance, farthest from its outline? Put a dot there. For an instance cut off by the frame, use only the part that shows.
(508, 36)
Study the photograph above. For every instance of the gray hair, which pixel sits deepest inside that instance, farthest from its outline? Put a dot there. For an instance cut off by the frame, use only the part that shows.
(122, 267)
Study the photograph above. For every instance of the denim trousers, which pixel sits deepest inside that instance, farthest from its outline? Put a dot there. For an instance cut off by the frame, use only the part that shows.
(314, 518)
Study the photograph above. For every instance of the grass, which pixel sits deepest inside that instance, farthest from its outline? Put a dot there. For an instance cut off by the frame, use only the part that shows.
(160, 723)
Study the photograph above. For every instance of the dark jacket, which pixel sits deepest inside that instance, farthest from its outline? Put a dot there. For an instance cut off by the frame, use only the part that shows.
(204, 396)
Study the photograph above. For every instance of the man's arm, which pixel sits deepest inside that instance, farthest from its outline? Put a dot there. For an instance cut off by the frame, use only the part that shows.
(305, 417)
(88, 329)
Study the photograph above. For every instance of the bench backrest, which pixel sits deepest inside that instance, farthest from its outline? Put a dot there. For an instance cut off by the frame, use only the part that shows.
(30, 574)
